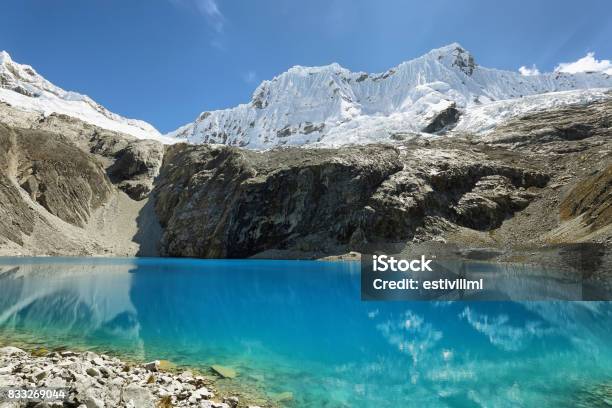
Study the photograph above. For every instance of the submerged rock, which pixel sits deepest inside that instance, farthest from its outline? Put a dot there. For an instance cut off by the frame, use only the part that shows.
(225, 372)
(165, 365)
(283, 396)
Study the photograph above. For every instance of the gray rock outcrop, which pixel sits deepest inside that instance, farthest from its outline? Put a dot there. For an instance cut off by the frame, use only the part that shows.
(54, 173)
(60, 182)
(226, 202)
(131, 163)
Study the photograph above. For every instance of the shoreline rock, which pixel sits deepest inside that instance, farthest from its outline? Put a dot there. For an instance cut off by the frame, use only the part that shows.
(96, 380)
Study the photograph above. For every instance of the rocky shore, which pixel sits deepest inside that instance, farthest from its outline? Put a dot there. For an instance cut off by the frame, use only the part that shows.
(93, 380)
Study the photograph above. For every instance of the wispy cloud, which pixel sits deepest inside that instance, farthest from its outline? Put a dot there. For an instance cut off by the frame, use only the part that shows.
(588, 63)
(525, 71)
(210, 9)
(250, 77)
(207, 8)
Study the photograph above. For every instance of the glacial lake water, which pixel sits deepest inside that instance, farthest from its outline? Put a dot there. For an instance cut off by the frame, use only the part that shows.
(300, 327)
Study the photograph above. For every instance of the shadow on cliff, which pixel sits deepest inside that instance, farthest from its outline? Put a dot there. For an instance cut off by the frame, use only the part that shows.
(149, 231)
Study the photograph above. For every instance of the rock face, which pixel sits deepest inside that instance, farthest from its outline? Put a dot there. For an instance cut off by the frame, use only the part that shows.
(68, 188)
(566, 124)
(444, 120)
(16, 217)
(574, 144)
(591, 198)
(226, 202)
(131, 163)
(60, 182)
(552, 166)
(217, 201)
(136, 166)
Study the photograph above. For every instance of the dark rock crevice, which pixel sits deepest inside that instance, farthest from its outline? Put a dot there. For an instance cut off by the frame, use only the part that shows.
(444, 121)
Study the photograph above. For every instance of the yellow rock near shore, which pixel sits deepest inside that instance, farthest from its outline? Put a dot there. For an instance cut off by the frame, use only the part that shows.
(224, 372)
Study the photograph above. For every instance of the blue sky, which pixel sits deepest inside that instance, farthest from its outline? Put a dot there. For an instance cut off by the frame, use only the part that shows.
(165, 61)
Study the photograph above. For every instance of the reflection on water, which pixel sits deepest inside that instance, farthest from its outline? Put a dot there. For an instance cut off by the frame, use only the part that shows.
(301, 327)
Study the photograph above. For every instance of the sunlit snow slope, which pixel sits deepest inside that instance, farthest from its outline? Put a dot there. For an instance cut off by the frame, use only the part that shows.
(22, 87)
(331, 106)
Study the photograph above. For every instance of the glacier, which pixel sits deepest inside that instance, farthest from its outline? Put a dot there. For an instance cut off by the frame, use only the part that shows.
(331, 106)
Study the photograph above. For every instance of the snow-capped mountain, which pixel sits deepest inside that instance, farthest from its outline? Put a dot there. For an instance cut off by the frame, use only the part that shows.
(22, 87)
(330, 105)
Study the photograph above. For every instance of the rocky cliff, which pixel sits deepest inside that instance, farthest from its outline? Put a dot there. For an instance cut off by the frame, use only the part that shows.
(70, 187)
(226, 202)
(541, 179)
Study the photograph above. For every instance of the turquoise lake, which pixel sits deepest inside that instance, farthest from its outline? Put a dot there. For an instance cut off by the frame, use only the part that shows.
(300, 326)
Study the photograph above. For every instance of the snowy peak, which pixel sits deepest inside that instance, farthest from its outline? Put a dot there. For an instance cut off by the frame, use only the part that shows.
(24, 80)
(453, 56)
(331, 106)
(333, 79)
(22, 87)
(21, 78)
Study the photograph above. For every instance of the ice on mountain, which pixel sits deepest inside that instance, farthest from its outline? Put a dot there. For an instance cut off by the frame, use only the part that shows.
(356, 107)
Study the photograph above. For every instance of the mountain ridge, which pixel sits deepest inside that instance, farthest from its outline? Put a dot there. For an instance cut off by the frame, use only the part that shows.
(330, 105)
(442, 91)
(21, 86)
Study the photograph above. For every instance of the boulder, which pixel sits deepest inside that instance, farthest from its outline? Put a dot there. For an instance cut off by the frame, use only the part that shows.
(153, 365)
(12, 351)
(137, 396)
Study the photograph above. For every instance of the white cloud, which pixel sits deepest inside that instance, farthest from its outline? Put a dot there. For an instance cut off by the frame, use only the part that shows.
(587, 63)
(208, 8)
(529, 71)
(250, 77)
